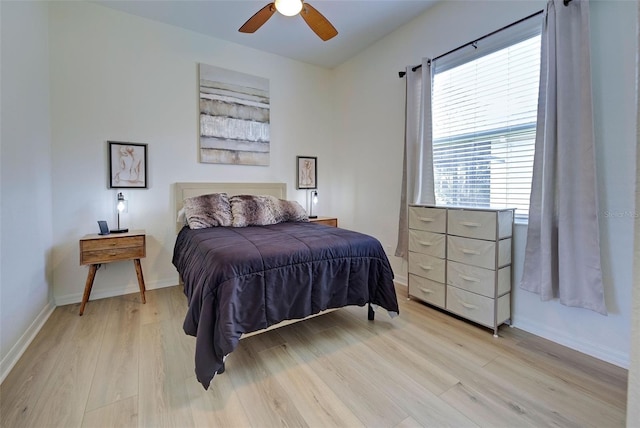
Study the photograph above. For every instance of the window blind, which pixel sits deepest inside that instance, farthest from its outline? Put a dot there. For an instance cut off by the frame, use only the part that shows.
(484, 110)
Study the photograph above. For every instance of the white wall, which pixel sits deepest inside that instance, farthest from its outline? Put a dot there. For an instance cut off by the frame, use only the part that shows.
(633, 394)
(118, 77)
(25, 178)
(369, 97)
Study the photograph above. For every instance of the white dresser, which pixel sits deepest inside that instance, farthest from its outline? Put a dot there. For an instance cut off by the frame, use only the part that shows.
(460, 261)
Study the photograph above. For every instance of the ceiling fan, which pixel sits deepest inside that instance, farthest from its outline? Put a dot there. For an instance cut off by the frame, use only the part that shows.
(314, 19)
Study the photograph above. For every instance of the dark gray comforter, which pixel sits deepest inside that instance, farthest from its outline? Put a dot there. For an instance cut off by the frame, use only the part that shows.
(239, 280)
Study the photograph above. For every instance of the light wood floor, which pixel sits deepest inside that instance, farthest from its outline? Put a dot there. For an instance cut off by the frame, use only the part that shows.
(127, 364)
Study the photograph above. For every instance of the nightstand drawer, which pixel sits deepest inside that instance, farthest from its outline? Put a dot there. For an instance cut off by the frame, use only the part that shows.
(429, 219)
(111, 255)
(329, 221)
(109, 243)
(112, 249)
(421, 241)
(426, 290)
(427, 266)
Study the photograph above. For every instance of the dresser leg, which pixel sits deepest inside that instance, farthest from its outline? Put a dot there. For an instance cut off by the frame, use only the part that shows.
(136, 262)
(87, 287)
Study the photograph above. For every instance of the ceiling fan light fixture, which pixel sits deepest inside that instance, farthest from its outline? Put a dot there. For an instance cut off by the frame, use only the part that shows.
(289, 7)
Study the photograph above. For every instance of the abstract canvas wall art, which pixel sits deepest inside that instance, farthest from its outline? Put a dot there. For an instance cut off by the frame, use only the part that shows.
(234, 117)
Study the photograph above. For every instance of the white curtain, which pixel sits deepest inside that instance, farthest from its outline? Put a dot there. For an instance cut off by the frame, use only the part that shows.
(562, 256)
(417, 171)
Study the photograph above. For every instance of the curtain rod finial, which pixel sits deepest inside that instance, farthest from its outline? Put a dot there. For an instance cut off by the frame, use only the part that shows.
(401, 74)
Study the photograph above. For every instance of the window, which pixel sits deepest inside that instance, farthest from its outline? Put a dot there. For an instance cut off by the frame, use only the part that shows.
(484, 109)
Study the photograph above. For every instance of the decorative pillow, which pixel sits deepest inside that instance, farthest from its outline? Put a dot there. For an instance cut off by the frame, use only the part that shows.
(258, 210)
(208, 211)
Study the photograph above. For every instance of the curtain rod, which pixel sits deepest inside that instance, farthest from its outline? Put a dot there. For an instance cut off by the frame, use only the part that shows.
(473, 43)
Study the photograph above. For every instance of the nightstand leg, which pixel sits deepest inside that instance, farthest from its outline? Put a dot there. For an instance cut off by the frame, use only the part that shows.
(88, 286)
(136, 262)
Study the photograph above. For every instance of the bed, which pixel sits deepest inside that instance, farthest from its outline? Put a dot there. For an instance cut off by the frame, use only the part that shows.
(240, 280)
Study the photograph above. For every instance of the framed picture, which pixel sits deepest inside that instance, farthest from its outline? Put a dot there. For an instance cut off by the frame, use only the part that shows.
(127, 165)
(307, 172)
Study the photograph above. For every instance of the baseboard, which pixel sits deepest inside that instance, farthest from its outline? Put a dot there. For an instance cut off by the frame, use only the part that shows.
(25, 340)
(68, 299)
(609, 355)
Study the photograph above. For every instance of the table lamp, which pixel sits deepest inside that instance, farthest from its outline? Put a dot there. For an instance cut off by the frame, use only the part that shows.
(121, 207)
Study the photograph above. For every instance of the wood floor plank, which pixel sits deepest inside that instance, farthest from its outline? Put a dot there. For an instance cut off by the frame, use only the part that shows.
(405, 359)
(160, 306)
(116, 374)
(120, 414)
(70, 379)
(486, 410)
(163, 398)
(220, 406)
(404, 388)
(263, 399)
(313, 398)
(409, 423)
(597, 378)
(556, 394)
(23, 386)
(324, 353)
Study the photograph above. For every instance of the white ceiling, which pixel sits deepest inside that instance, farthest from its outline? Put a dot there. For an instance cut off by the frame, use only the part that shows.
(359, 23)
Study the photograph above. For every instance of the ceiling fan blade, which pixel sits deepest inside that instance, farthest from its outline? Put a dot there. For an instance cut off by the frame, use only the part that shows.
(259, 18)
(317, 22)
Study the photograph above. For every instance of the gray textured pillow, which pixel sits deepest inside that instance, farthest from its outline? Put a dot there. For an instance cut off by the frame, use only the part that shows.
(208, 211)
(258, 210)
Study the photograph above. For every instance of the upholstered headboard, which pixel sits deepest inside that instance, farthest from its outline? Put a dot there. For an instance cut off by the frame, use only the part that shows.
(188, 190)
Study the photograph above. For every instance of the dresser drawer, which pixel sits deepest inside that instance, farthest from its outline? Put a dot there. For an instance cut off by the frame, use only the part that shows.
(478, 280)
(478, 308)
(488, 225)
(429, 219)
(426, 290)
(477, 252)
(421, 241)
(470, 305)
(427, 266)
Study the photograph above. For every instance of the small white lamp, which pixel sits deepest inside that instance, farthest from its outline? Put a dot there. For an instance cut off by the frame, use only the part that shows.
(121, 207)
(314, 201)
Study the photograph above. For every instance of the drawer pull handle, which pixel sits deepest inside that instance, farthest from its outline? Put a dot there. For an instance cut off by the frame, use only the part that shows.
(426, 291)
(470, 224)
(468, 305)
(426, 219)
(469, 278)
(425, 243)
(425, 267)
(468, 251)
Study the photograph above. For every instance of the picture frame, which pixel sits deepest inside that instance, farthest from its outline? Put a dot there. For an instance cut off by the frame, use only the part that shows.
(104, 227)
(307, 172)
(127, 165)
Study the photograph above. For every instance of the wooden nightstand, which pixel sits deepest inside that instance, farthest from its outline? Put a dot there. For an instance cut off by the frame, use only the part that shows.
(97, 249)
(329, 221)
